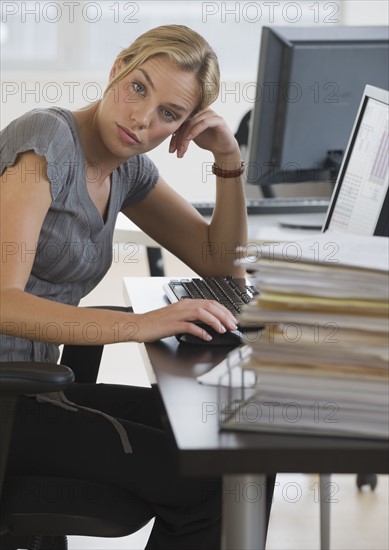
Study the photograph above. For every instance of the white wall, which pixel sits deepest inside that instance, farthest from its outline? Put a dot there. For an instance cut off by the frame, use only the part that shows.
(23, 92)
(365, 12)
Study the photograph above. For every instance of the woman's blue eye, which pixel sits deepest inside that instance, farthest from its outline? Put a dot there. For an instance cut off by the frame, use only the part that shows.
(168, 114)
(138, 88)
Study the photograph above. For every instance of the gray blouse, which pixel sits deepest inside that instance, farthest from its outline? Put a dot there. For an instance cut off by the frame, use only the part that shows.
(74, 249)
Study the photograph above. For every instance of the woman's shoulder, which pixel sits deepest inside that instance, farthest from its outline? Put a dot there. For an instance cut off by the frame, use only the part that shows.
(138, 177)
(141, 165)
(51, 133)
(42, 127)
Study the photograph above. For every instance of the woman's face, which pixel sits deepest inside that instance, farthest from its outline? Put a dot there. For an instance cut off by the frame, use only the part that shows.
(147, 106)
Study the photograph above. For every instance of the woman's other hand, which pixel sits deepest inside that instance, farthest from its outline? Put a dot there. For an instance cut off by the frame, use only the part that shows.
(209, 131)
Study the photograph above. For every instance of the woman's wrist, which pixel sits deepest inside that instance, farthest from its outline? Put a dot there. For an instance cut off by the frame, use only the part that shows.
(228, 165)
(231, 161)
(221, 171)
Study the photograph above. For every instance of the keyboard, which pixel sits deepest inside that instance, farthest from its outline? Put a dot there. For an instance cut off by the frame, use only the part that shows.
(232, 292)
(291, 205)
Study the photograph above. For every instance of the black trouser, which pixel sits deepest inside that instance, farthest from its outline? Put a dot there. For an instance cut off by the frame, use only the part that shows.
(53, 441)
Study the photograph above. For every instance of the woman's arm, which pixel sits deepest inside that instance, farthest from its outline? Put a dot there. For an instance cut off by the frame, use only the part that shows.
(25, 199)
(209, 249)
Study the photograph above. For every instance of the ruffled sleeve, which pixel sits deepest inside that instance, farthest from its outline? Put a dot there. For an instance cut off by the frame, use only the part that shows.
(45, 132)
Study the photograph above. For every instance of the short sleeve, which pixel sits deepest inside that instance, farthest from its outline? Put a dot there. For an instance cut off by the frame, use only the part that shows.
(45, 132)
(139, 176)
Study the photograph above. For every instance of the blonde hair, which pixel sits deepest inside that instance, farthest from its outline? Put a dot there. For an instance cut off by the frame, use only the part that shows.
(185, 48)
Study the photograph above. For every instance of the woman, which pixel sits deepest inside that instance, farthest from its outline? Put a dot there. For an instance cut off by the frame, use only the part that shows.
(65, 177)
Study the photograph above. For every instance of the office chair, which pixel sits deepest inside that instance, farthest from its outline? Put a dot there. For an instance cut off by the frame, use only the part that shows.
(37, 512)
(242, 137)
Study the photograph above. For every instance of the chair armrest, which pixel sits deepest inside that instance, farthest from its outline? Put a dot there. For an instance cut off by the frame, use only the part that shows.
(24, 378)
(18, 378)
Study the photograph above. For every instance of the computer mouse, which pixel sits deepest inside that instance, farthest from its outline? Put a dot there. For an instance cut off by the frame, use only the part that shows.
(229, 338)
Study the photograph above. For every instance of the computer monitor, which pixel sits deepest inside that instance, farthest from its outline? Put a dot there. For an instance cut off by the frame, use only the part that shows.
(310, 81)
(360, 201)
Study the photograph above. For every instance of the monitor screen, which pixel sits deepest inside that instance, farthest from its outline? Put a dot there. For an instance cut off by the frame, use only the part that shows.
(310, 81)
(360, 201)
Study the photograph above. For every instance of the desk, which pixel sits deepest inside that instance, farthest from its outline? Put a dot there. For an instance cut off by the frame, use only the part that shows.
(241, 458)
(261, 229)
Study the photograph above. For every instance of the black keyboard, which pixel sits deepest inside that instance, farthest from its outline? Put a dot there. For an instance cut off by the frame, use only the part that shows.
(291, 205)
(231, 292)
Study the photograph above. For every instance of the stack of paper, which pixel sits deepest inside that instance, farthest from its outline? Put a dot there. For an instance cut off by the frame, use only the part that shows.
(322, 357)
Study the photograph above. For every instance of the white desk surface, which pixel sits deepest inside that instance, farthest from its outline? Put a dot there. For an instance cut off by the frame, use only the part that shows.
(133, 289)
(262, 228)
